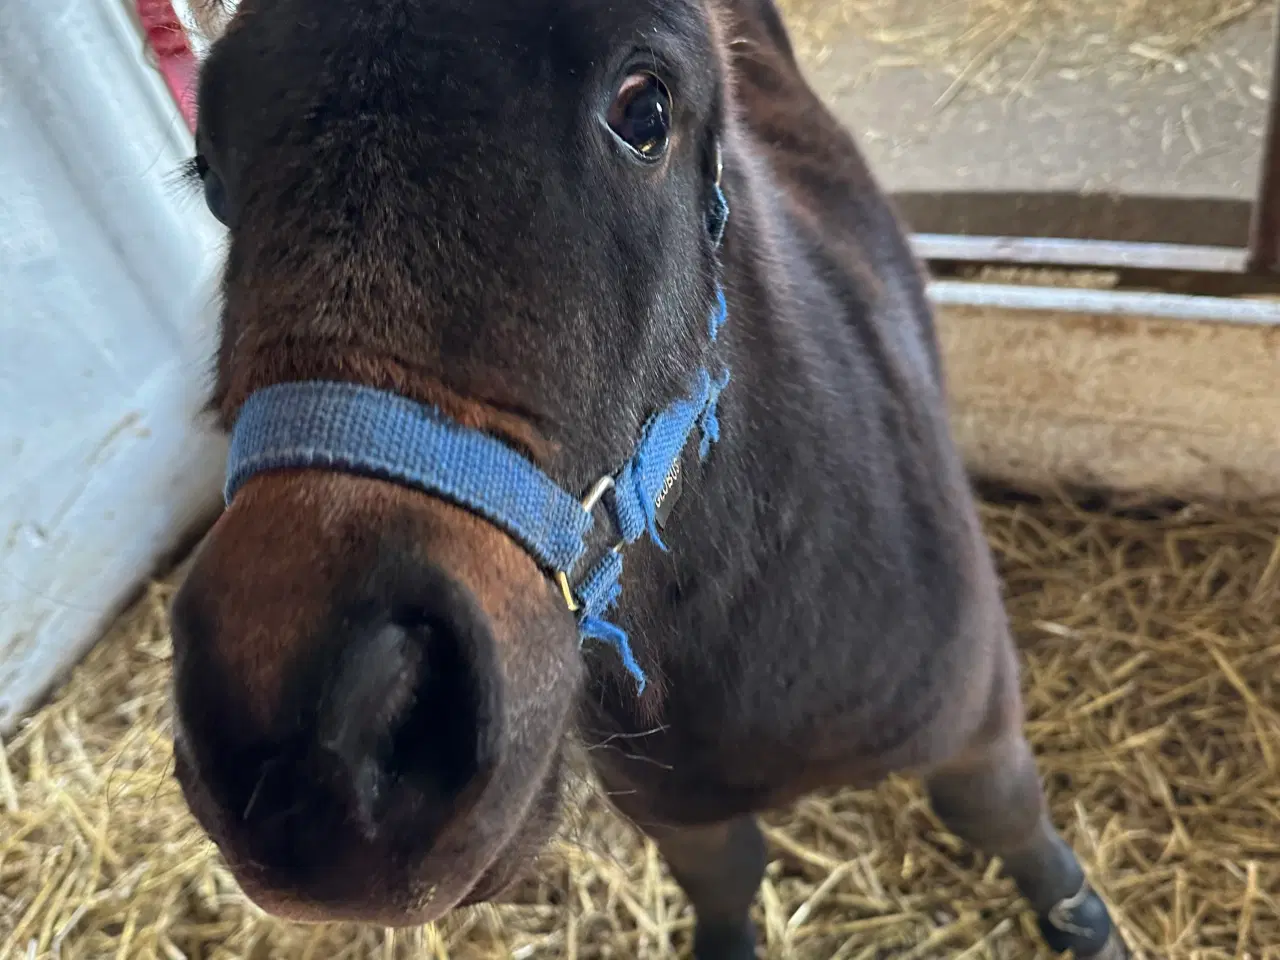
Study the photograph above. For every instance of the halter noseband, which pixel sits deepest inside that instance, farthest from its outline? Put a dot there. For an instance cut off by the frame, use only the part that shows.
(356, 429)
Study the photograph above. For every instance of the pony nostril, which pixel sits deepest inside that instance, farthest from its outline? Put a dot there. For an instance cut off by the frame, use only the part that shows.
(372, 692)
(411, 705)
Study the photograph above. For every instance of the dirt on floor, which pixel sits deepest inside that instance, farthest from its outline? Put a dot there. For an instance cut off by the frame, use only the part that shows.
(1148, 97)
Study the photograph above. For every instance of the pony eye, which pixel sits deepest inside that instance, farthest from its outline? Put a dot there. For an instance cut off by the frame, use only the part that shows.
(640, 115)
(215, 195)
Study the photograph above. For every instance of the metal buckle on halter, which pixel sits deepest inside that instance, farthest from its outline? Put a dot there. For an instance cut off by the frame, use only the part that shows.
(589, 504)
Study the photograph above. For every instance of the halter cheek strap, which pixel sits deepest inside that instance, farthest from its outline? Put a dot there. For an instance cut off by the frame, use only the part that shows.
(356, 429)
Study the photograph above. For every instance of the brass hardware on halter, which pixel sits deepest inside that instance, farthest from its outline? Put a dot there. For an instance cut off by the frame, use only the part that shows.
(562, 579)
(589, 503)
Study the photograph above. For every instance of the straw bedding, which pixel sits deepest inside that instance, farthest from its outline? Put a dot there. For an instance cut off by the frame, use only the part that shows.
(1152, 672)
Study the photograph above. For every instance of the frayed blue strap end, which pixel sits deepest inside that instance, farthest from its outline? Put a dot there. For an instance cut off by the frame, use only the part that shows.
(719, 315)
(709, 422)
(641, 479)
(638, 511)
(597, 628)
(599, 593)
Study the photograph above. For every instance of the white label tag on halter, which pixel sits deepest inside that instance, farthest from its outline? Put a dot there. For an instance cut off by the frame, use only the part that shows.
(672, 487)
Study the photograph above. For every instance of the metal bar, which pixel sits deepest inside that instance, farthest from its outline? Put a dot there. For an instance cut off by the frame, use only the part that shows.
(1114, 303)
(1051, 251)
(1264, 230)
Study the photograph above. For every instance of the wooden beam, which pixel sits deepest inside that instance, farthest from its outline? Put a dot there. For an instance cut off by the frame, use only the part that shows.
(1131, 393)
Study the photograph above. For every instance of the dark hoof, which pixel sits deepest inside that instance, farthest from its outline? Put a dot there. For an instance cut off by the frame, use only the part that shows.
(1082, 925)
(722, 943)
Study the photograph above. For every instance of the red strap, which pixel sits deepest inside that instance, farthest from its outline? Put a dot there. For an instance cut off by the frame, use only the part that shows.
(177, 63)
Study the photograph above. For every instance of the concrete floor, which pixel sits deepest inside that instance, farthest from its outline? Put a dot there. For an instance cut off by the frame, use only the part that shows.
(1185, 125)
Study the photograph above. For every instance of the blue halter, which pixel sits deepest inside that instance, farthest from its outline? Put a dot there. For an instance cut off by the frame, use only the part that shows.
(362, 430)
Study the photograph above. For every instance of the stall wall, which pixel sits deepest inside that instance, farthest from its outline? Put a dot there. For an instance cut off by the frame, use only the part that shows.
(107, 279)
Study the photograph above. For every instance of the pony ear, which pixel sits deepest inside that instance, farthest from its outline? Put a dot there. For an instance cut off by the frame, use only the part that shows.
(210, 17)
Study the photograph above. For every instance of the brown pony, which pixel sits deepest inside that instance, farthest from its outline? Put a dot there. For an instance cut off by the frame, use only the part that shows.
(505, 212)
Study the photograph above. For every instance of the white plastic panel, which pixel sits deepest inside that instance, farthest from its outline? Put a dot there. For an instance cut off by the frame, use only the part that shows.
(107, 278)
